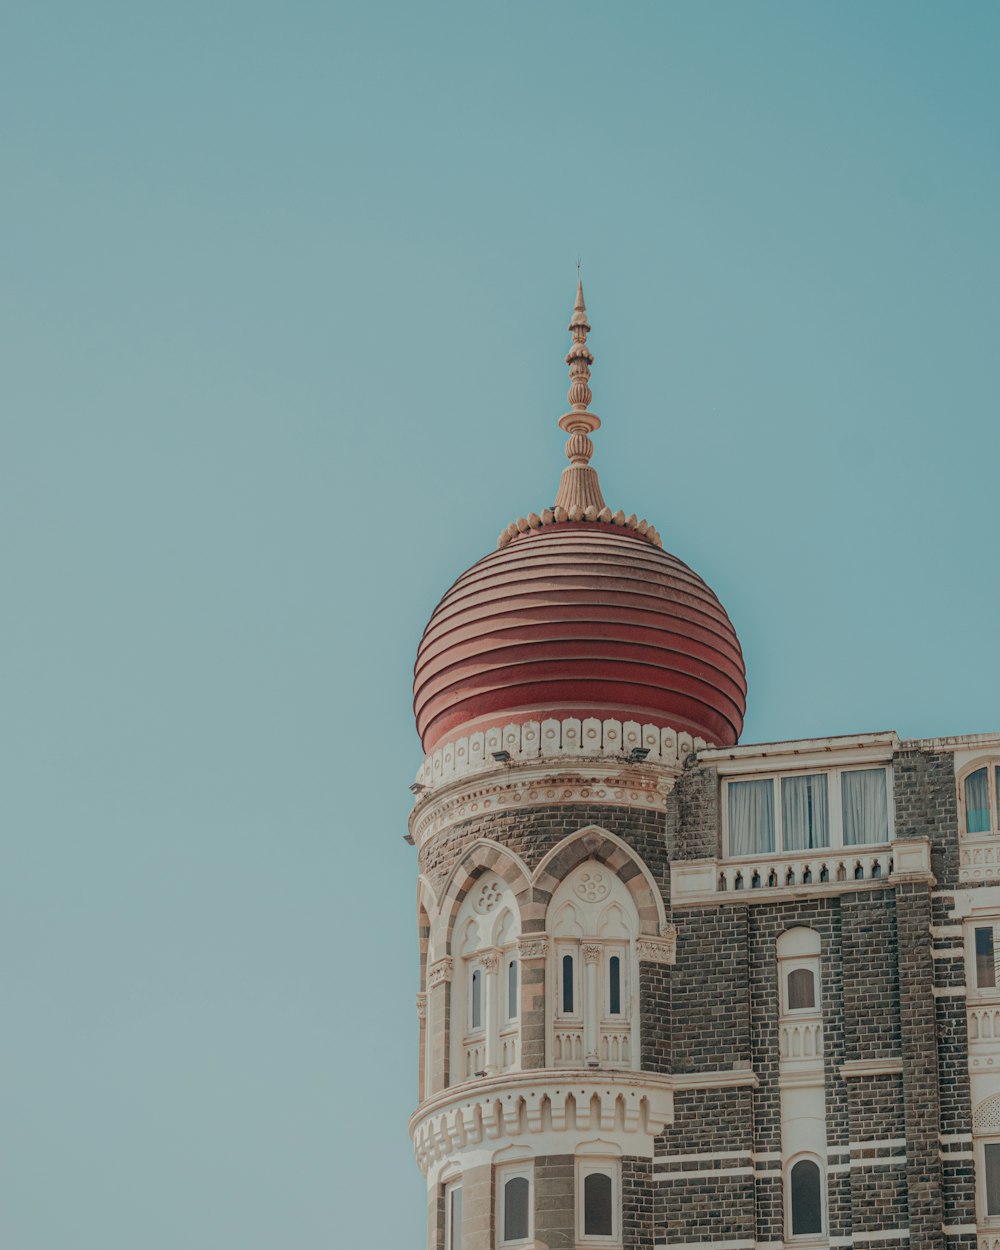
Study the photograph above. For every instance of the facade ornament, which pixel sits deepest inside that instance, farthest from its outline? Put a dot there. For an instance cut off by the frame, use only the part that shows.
(593, 886)
(421, 1006)
(488, 897)
(489, 961)
(439, 972)
(592, 953)
(534, 947)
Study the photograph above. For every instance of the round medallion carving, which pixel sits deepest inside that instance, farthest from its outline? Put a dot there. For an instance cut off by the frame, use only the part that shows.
(593, 886)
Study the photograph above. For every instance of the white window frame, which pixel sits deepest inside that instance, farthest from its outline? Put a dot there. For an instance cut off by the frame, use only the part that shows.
(607, 1167)
(564, 948)
(505, 1173)
(511, 1010)
(474, 965)
(796, 963)
(989, 1138)
(806, 1239)
(449, 1232)
(975, 992)
(991, 764)
(621, 950)
(835, 811)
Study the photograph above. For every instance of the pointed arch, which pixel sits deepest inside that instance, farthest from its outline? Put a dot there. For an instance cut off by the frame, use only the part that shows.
(481, 857)
(593, 842)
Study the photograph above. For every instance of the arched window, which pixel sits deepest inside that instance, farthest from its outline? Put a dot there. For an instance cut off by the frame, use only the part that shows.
(514, 1213)
(484, 1010)
(980, 791)
(801, 989)
(593, 925)
(806, 1198)
(598, 1200)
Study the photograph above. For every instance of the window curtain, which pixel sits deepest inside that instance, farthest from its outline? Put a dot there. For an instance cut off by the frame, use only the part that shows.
(977, 802)
(804, 813)
(866, 811)
(751, 817)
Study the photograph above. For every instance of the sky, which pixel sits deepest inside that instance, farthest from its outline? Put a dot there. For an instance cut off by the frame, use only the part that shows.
(282, 333)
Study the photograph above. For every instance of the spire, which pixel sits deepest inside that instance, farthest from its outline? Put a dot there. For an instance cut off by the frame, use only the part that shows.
(579, 488)
(579, 497)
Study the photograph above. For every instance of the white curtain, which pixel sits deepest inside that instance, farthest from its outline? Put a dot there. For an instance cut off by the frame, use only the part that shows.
(977, 803)
(804, 813)
(751, 817)
(866, 811)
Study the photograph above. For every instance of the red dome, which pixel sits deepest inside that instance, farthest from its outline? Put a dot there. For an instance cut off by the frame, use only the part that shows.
(574, 620)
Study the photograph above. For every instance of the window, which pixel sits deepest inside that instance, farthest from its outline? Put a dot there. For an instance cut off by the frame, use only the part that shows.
(991, 1159)
(453, 1216)
(806, 1201)
(476, 999)
(514, 1215)
(981, 796)
(567, 985)
(801, 990)
(598, 1202)
(839, 808)
(485, 1030)
(615, 986)
(592, 971)
(986, 973)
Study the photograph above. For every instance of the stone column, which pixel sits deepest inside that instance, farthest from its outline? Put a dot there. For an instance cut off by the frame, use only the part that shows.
(591, 1003)
(489, 963)
(438, 1035)
(422, 1046)
(532, 953)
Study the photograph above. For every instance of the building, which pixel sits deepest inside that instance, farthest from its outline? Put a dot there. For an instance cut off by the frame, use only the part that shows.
(675, 991)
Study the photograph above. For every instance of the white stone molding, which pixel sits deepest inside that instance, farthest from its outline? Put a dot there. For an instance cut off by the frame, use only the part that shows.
(552, 739)
(421, 1006)
(851, 1069)
(439, 972)
(658, 950)
(534, 947)
(592, 782)
(798, 874)
(726, 1078)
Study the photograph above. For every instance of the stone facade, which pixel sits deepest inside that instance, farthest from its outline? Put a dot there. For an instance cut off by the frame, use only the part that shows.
(874, 1084)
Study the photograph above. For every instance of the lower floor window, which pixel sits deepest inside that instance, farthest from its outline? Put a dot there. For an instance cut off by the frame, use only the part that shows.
(806, 1198)
(598, 1202)
(991, 1153)
(453, 1217)
(514, 1206)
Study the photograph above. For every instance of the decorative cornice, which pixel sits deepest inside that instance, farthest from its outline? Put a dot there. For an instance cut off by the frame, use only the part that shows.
(553, 761)
(854, 1068)
(534, 947)
(563, 1103)
(439, 972)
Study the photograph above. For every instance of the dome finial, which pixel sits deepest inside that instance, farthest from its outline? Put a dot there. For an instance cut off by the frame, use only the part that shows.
(579, 489)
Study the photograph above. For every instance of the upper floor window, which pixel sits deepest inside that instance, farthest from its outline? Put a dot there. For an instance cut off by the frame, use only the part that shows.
(593, 970)
(807, 811)
(983, 947)
(453, 1216)
(981, 795)
(484, 1006)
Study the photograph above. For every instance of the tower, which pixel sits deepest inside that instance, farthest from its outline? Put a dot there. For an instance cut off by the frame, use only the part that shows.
(559, 687)
(679, 993)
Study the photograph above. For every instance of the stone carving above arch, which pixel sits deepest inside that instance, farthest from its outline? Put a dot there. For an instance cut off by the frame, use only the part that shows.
(610, 855)
(477, 870)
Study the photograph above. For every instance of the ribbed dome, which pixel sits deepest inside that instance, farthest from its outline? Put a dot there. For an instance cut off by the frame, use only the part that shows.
(575, 620)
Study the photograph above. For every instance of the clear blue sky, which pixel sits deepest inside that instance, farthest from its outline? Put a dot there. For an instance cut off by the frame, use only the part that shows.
(285, 290)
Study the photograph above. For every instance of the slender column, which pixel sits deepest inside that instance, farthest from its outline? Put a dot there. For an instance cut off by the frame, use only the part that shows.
(591, 1003)
(489, 963)
(437, 1037)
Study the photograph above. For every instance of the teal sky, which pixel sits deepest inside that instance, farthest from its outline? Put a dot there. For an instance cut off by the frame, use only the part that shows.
(285, 290)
